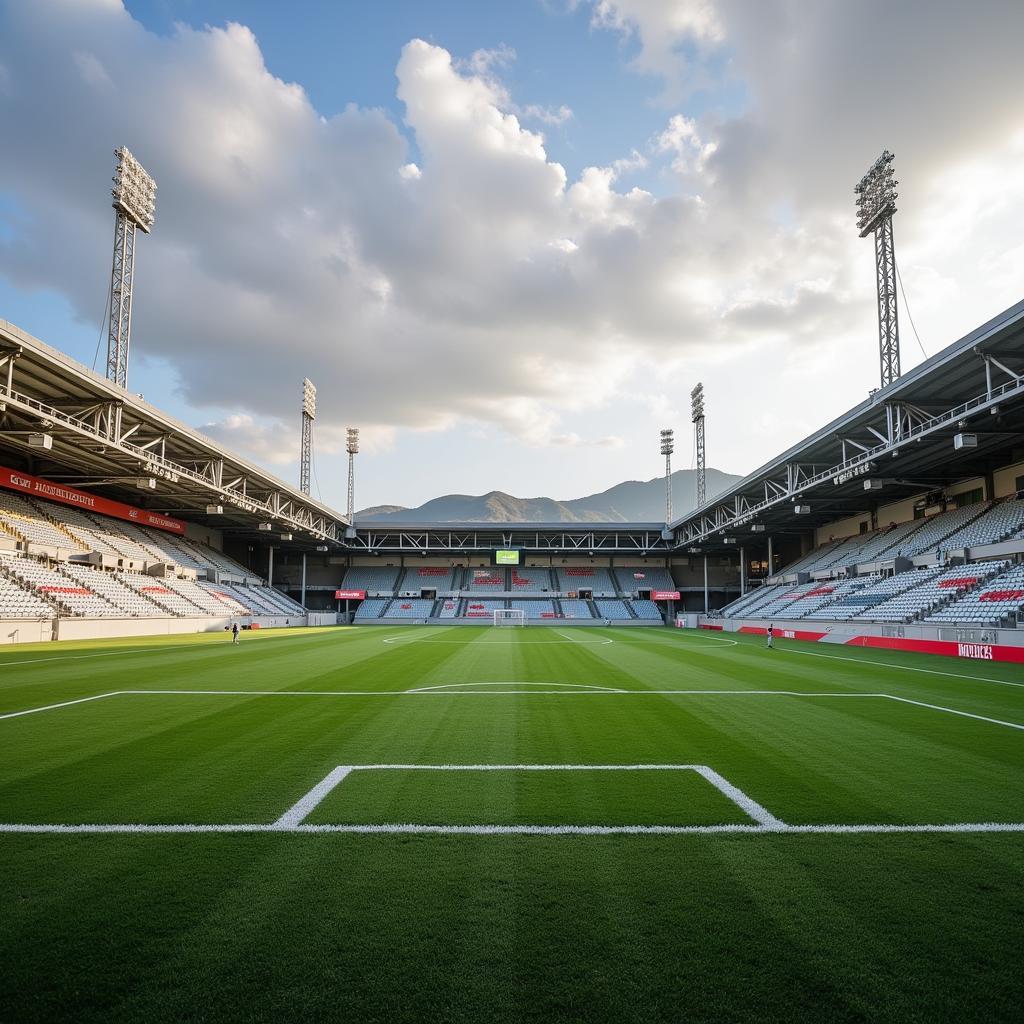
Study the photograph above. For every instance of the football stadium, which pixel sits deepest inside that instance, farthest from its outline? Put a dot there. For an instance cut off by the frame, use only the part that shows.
(261, 760)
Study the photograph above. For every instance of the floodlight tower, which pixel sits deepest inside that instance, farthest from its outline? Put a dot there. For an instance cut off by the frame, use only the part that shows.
(352, 447)
(308, 415)
(697, 415)
(668, 446)
(876, 203)
(134, 194)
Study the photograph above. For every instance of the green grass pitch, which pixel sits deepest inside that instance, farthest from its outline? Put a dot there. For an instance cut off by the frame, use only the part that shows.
(481, 824)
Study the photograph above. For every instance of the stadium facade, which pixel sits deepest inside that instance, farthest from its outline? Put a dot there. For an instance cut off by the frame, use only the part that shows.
(901, 522)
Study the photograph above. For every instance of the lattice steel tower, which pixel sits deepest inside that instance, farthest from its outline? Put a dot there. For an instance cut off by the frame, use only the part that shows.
(697, 415)
(134, 195)
(667, 448)
(308, 415)
(876, 203)
(352, 447)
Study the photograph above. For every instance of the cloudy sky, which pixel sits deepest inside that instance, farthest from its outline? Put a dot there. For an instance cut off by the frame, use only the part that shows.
(505, 239)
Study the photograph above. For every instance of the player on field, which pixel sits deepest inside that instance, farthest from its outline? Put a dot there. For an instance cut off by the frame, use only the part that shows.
(771, 636)
(234, 632)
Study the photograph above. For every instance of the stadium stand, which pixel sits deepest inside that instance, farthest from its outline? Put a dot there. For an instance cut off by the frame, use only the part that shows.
(484, 580)
(69, 595)
(371, 608)
(573, 608)
(614, 610)
(934, 533)
(576, 578)
(534, 608)
(1001, 521)
(155, 590)
(429, 577)
(534, 580)
(109, 586)
(645, 609)
(1000, 598)
(449, 608)
(633, 578)
(21, 519)
(861, 602)
(822, 594)
(374, 579)
(409, 608)
(18, 602)
(477, 608)
(935, 590)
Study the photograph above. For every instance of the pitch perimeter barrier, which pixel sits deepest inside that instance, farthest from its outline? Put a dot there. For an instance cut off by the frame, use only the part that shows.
(977, 643)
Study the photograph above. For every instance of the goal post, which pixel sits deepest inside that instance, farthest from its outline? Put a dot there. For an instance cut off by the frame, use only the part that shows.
(509, 617)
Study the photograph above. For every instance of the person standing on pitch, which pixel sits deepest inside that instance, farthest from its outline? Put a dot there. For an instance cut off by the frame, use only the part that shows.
(771, 636)
(234, 633)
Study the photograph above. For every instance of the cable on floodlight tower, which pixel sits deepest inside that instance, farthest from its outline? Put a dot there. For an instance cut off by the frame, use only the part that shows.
(134, 194)
(668, 446)
(352, 447)
(308, 415)
(697, 415)
(876, 203)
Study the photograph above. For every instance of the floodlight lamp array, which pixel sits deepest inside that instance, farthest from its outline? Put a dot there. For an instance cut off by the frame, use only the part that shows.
(876, 194)
(352, 440)
(667, 442)
(697, 403)
(134, 191)
(308, 398)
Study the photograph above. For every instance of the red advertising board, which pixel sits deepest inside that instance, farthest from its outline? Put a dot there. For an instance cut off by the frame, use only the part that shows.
(664, 595)
(36, 487)
(349, 595)
(950, 648)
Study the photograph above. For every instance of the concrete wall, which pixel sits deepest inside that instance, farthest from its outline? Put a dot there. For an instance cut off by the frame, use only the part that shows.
(25, 631)
(33, 631)
(1005, 479)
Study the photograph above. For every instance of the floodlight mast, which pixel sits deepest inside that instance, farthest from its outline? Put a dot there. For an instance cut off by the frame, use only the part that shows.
(308, 415)
(876, 203)
(697, 415)
(352, 447)
(134, 195)
(668, 446)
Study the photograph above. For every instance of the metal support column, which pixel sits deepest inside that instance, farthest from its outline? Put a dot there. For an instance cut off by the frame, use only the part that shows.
(120, 326)
(270, 567)
(303, 601)
(743, 571)
(771, 558)
(707, 605)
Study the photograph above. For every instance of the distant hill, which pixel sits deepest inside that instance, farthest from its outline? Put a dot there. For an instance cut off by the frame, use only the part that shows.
(632, 501)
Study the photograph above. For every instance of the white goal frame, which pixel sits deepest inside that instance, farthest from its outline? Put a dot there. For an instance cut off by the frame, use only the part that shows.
(509, 617)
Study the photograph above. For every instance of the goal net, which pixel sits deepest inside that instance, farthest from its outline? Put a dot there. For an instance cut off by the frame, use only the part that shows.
(509, 617)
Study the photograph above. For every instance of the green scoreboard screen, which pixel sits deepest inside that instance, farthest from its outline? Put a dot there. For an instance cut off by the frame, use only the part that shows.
(508, 556)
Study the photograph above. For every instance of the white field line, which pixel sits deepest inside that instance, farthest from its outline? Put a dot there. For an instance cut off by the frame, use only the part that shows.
(760, 814)
(300, 811)
(513, 682)
(900, 668)
(500, 643)
(517, 693)
(953, 711)
(521, 830)
(302, 808)
(53, 707)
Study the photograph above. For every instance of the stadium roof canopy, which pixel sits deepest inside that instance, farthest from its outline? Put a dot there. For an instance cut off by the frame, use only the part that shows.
(105, 439)
(897, 443)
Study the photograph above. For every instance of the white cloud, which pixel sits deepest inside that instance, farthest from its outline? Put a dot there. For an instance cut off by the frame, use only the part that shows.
(663, 29)
(479, 285)
(546, 115)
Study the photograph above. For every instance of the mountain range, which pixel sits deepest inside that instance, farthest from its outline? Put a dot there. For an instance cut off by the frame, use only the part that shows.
(632, 501)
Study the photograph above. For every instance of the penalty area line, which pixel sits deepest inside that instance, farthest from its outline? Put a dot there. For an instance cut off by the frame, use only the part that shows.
(519, 830)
